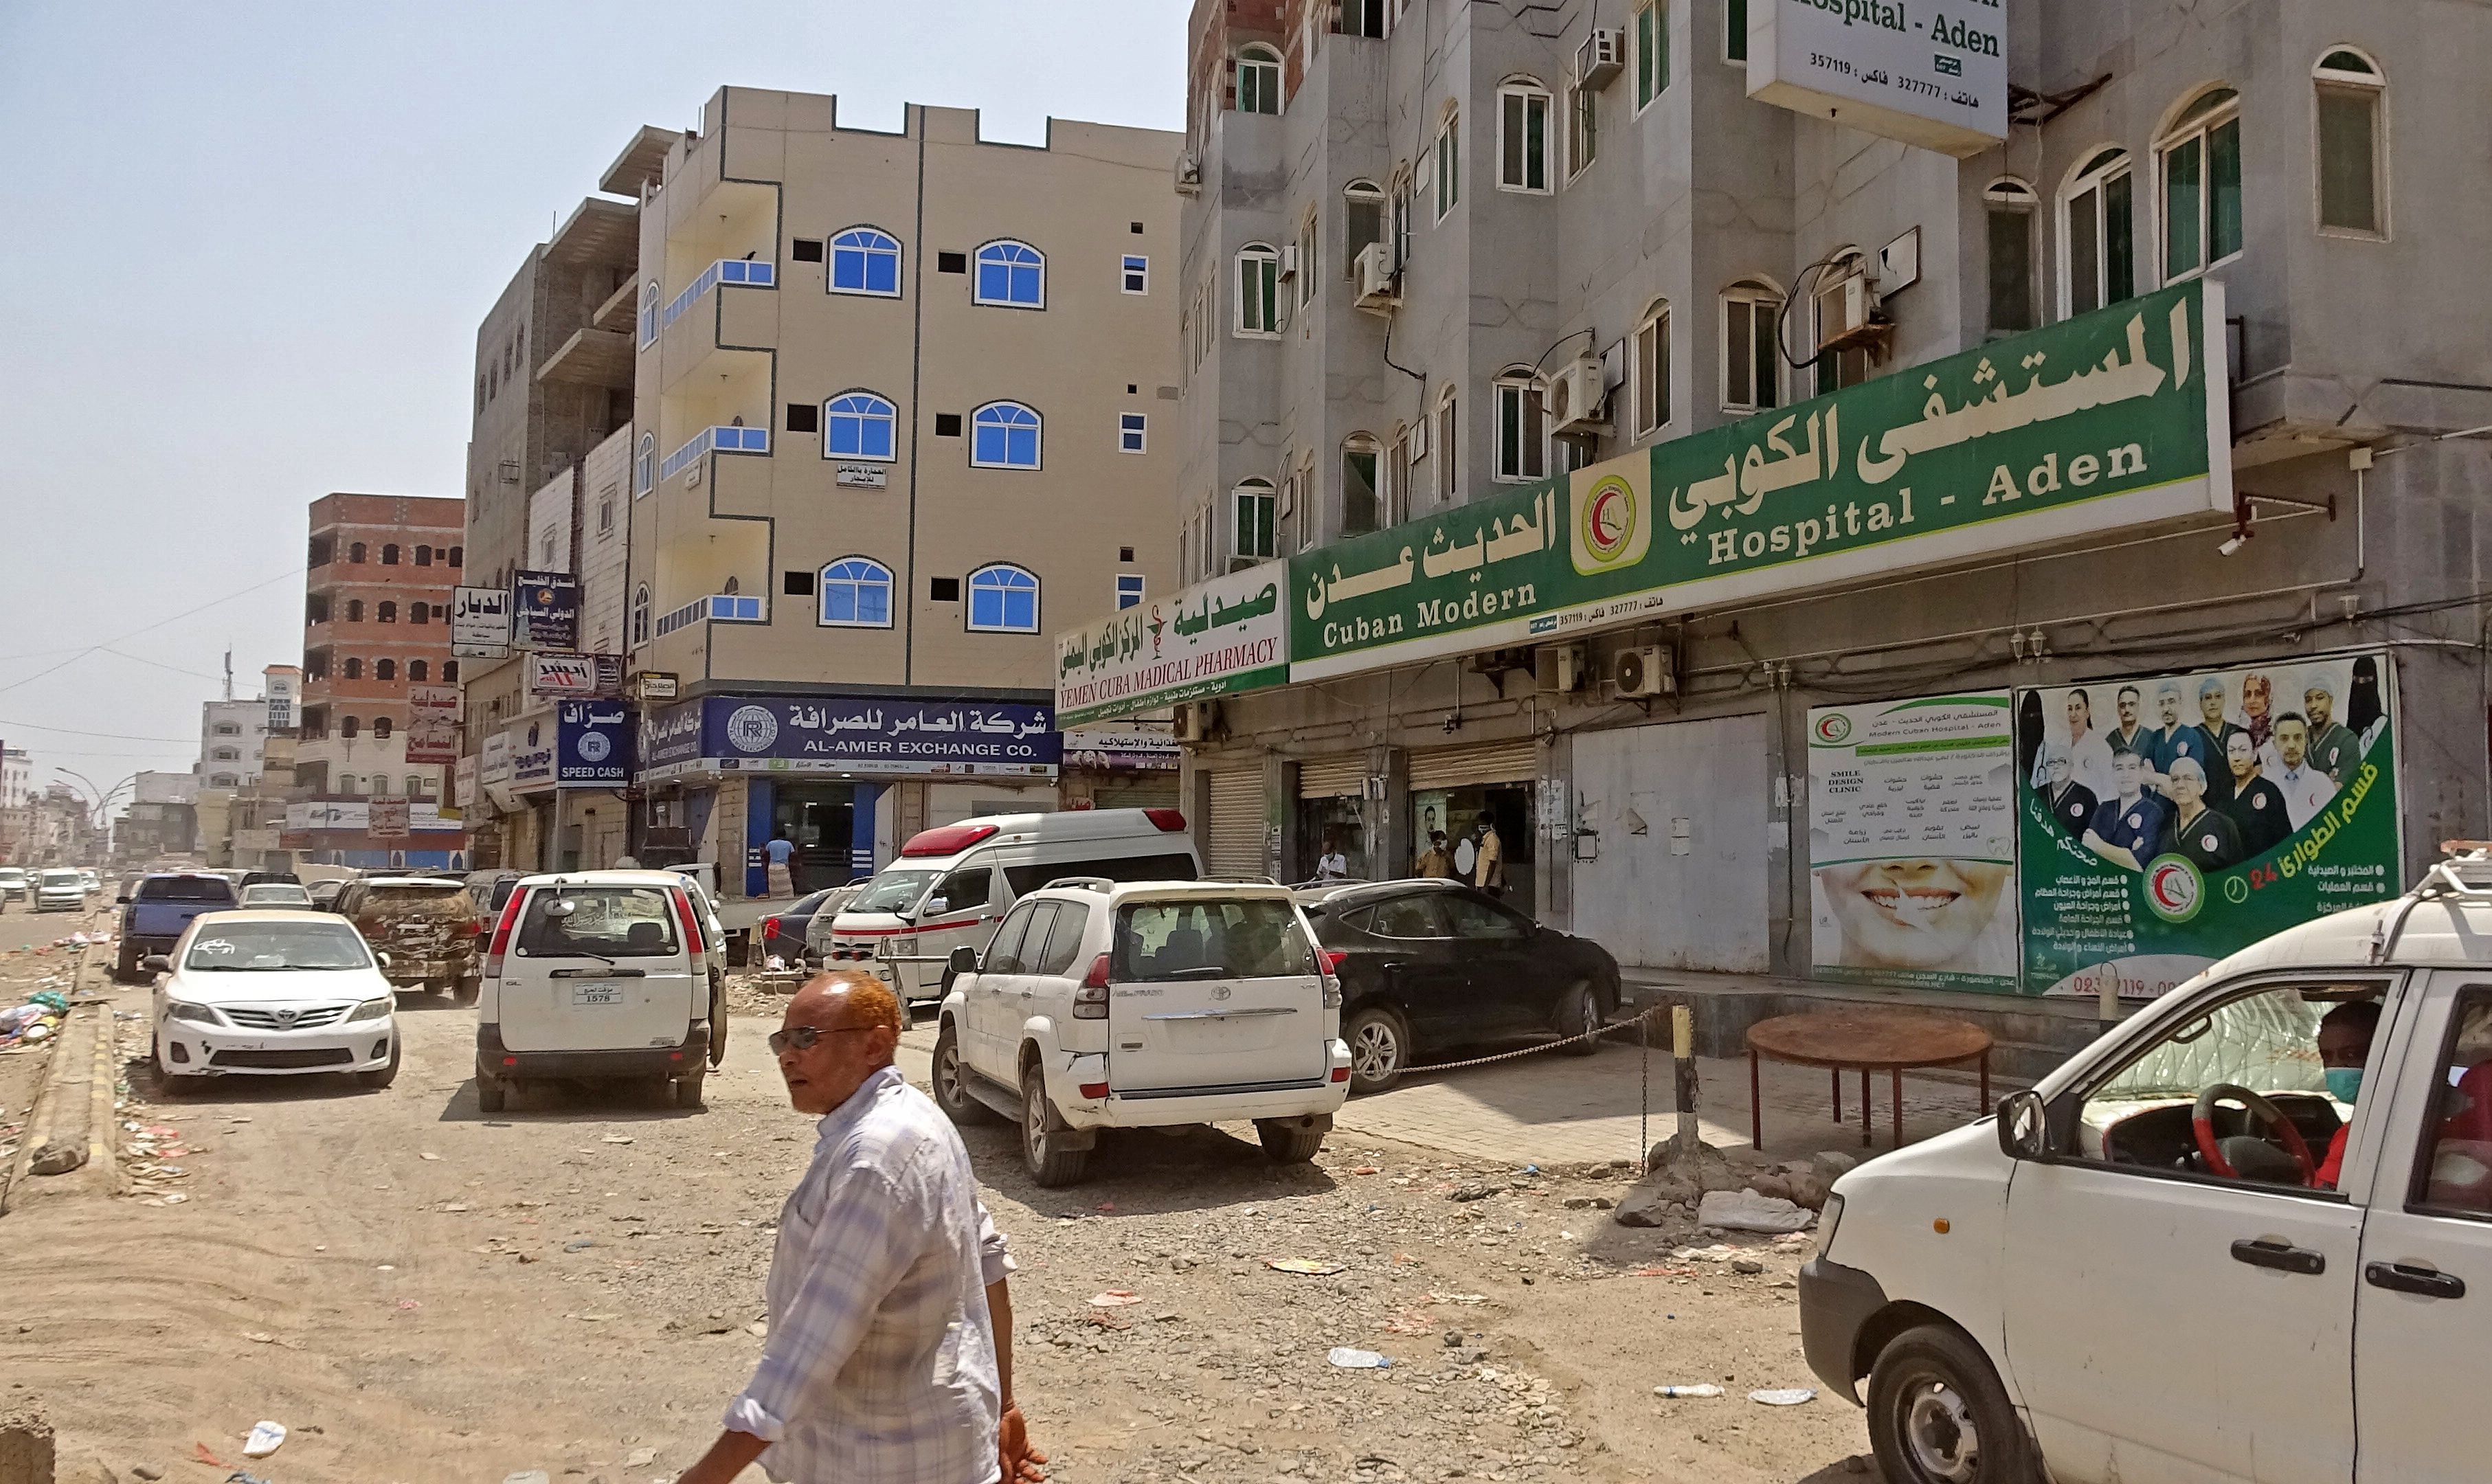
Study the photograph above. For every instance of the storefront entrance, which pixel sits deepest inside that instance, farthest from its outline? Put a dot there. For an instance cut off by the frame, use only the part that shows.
(1481, 796)
(820, 821)
(1333, 818)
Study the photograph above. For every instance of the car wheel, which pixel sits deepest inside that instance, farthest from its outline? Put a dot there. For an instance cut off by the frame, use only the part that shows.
(1938, 1414)
(386, 1074)
(125, 970)
(491, 1093)
(1380, 1047)
(687, 1090)
(1293, 1140)
(1579, 1012)
(1042, 1149)
(470, 988)
(951, 1082)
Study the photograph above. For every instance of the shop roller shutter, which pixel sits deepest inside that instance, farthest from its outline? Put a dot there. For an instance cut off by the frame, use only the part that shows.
(1479, 763)
(1332, 778)
(1235, 837)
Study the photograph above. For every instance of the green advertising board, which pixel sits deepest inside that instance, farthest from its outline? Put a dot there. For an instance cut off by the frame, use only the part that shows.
(2112, 419)
(2166, 822)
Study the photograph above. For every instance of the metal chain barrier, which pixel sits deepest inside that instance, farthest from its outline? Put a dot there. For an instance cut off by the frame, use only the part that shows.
(1639, 1024)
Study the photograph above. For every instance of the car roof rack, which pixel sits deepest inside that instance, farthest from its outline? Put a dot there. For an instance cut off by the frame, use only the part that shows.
(2466, 876)
(1088, 882)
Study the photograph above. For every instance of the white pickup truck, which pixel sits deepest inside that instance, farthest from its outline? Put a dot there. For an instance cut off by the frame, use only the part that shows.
(2246, 1235)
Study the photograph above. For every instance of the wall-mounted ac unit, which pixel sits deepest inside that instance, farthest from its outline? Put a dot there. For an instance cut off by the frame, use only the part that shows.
(1568, 664)
(1600, 58)
(1576, 392)
(1189, 175)
(1644, 671)
(1289, 259)
(1380, 286)
(1846, 310)
(1193, 723)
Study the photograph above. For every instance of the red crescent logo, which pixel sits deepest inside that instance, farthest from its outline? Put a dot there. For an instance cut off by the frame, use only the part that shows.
(2162, 888)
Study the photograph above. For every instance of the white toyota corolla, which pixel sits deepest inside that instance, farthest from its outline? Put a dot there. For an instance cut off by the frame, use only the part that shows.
(272, 993)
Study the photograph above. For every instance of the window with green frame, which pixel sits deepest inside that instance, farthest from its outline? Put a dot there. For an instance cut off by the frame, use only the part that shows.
(1735, 30)
(1653, 51)
(2202, 185)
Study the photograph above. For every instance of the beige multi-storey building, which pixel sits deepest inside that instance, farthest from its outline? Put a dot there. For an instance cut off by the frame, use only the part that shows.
(901, 412)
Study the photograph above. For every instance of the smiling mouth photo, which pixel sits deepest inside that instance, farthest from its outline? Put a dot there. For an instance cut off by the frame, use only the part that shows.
(1911, 907)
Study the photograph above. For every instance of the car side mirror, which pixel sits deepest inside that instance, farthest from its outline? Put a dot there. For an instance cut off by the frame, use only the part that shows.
(2024, 1126)
(157, 964)
(935, 906)
(122, 900)
(964, 960)
(382, 959)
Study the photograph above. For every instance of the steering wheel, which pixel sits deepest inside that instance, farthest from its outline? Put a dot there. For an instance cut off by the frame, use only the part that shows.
(2202, 1122)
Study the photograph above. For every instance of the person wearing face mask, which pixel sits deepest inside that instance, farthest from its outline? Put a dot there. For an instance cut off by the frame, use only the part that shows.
(2344, 1045)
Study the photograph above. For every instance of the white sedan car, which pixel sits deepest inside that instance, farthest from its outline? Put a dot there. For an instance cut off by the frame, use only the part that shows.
(261, 993)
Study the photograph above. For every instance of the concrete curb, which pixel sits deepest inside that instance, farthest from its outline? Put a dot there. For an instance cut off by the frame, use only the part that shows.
(58, 1097)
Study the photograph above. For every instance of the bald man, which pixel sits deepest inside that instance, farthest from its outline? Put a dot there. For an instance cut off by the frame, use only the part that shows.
(890, 1349)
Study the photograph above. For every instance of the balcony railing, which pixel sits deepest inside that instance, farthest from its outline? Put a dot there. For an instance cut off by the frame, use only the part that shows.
(730, 607)
(721, 439)
(727, 270)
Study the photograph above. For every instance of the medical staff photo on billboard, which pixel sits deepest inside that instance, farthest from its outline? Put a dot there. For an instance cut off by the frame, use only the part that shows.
(1913, 842)
(2167, 820)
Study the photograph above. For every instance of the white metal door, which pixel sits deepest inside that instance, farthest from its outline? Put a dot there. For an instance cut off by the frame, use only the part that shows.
(1233, 844)
(1679, 878)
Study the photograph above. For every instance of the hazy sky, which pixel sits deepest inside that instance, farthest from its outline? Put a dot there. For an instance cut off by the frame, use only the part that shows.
(245, 248)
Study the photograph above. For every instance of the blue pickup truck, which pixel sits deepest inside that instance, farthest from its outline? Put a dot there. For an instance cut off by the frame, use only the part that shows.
(155, 914)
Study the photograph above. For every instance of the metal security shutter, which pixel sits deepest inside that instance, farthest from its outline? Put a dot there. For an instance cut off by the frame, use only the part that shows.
(1480, 762)
(1235, 833)
(1332, 778)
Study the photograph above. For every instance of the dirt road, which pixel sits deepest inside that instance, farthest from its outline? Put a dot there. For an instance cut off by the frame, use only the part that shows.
(424, 1294)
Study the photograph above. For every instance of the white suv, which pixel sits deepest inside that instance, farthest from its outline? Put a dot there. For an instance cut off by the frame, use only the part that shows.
(1144, 1005)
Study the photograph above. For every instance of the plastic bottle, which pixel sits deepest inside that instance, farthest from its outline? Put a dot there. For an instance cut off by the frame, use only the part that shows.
(1687, 1391)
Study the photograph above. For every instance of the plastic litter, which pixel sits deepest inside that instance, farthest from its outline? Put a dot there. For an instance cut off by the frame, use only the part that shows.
(1350, 1360)
(208, 1458)
(240, 1478)
(1782, 1396)
(1313, 1268)
(265, 1438)
(1702, 1389)
(1115, 1298)
(1744, 1210)
(531, 1477)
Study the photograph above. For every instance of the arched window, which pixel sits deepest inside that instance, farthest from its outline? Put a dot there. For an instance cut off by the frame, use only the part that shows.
(1258, 289)
(1004, 435)
(347, 727)
(859, 425)
(1447, 443)
(380, 781)
(388, 613)
(353, 667)
(1003, 600)
(1250, 525)
(1362, 221)
(644, 465)
(1752, 357)
(347, 781)
(2097, 241)
(457, 556)
(423, 556)
(2353, 144)
(227, 755)
(2008, 206)
(1522, 136)
(855, 594)
(449, 671)
(418, 786)
(354, 610)
(355, 551)
(1259, 80)
(640, 614)
(1360, 454)
(865, 260)
(2201, 183)
(380, 729)
(650, 314)
(389, 554)
(1012, 273)
(419, 612)
(1521, 425)
(224, 780)
(418, 672)
(384, 670)
(1652, 369)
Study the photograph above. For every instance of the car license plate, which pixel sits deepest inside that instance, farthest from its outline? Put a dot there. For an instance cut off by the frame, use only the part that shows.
(596, 994)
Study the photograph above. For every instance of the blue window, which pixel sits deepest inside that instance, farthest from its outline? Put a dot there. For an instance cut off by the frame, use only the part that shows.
(1132, 430)
(1137, 274)
(1005, 436)
(1011, 273)
(865, 261)
(860, 427)
(857, 594)
(1129, 590)
(1003, 600)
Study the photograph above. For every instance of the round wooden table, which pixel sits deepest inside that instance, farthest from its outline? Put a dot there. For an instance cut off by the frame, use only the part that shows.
(1889, 1041)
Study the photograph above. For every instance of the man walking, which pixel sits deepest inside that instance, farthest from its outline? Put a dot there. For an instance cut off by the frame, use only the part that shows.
(780, 852)
(1487, 867)
(890, 1353)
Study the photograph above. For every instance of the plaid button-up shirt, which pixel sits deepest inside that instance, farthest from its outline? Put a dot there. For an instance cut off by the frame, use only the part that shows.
(880, 1366)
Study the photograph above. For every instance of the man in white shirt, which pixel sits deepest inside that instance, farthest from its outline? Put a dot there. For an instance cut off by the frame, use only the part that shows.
(2306, 790)
(890, 1353)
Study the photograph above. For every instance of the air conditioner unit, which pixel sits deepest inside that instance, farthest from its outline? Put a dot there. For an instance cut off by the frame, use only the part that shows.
(1189, 175)
(1193, 723)
(1847, 311)
(1600, 58)
(1380, 286)
(1576, 392)
(693, 475)
(1568, 664)
(1289, 259)
(1644, 672)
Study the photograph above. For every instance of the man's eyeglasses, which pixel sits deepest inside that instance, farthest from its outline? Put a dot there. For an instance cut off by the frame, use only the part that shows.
(802, 1038)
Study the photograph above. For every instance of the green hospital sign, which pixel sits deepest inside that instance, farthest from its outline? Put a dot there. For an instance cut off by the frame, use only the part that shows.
(2113, 419)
